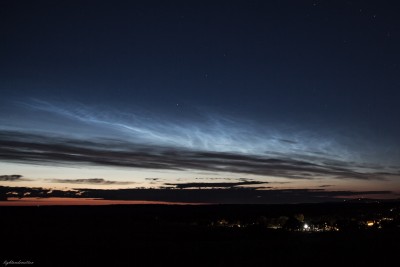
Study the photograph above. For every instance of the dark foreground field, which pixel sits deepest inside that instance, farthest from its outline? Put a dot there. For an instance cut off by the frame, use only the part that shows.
(177, 236)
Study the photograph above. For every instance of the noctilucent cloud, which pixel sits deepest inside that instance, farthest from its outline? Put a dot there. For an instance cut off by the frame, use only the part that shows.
(253, 98)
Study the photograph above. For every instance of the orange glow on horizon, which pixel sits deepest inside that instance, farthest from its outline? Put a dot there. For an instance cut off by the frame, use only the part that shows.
(60, 201)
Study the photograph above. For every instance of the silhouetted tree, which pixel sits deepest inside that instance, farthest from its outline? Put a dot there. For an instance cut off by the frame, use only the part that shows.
(292, 224)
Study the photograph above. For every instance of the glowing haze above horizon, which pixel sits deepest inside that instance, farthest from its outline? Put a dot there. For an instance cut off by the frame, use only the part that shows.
(261, 97)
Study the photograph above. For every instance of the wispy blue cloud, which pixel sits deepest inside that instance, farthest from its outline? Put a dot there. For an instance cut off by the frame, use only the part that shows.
(201, 130)
(39, 149)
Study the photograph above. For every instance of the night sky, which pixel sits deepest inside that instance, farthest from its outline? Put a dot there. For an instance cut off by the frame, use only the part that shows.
(200, 101)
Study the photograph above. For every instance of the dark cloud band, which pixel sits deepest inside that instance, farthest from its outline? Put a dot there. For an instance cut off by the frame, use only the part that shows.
(11, 178)
(40, 149)
(215, 185)
(222, 196)
(92, 181)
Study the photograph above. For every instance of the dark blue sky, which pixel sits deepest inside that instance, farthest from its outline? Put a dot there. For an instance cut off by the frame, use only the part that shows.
(316, 81)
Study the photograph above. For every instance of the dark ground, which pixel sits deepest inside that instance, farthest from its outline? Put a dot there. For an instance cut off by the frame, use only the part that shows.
(166, 236)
